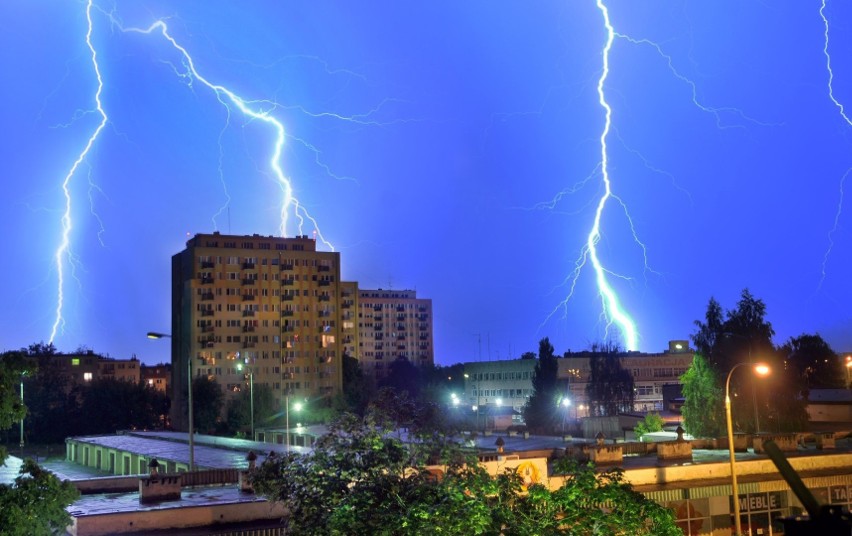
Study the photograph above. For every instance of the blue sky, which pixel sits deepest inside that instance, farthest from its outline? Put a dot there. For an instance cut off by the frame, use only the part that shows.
(451, 147)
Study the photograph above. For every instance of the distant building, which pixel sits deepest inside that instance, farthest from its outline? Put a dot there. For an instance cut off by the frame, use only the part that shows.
(119, 369)
(509, 382)
(392, 324)
(275, 304)
(157, 376)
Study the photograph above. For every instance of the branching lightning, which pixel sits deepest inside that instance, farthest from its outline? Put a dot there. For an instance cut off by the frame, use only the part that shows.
(63, 252)
(254, 109)
(845, 117)
(613, 313)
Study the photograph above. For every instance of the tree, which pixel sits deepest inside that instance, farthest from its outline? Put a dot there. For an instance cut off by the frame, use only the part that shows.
(610, 387)
(238, 412)
(357, 388)
(105, 405)
(36, 503)
(403, 375)
(702, 409)
(539, 411)
(814, 363)
(207, 402)
(362, 479)
(651, 423)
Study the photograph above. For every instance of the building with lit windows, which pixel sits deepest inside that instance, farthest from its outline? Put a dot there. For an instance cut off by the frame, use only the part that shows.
(276, 306)
(392, 324)
(119, 369)
(157, 376)
(509, 382)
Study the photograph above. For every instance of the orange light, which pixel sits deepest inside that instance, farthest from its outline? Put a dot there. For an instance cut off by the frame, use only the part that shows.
(762, 369)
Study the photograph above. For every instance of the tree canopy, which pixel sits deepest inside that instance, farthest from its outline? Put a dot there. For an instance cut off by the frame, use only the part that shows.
(610, 387)
(362, 478)
(540, 410)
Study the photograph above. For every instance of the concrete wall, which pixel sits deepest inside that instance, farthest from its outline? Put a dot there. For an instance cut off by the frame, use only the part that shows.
(829, 412)
(171, 518)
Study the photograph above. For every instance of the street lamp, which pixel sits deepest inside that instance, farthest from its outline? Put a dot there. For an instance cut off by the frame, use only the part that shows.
(155, 335)
(848, 368)
(21, 444)
(565, 402)
(761, 369)
(241, 366)
(297, 407)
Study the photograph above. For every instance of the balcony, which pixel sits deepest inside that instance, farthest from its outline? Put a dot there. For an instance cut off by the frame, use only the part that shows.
(400, 308)
(206, 265)
(422, 317)
(400, 317)
(289, 282)
(377, 308)
(287, 297)
(324, 283)
(207, 312)
(248, 281)
(400, 347)
(286, 267)
(248, 297)
(206, 280)
(324, 297)
(324, 314)
(249, 344)
(285, 313)
(249, 266)
(323, 268)
(206, 329)
(400, 337)
(248, 329)
(248, 312)
(207, 296)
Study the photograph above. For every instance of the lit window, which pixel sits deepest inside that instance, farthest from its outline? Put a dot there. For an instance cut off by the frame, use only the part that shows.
(87, 376)
(75, 361)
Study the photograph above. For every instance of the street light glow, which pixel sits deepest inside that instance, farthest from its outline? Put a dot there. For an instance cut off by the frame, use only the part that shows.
(762, 369)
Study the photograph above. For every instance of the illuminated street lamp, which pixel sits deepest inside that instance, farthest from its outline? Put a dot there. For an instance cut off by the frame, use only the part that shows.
(848, 368)
(21, 444)
(297, 407)
(241, 366)
(155, 335)
(565, 402)
(761, 369)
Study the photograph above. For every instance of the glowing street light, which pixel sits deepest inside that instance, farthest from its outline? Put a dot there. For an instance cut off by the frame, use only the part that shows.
(297, 407)
(848, 368)
(155, 335)
(240, 367)
(760, 369)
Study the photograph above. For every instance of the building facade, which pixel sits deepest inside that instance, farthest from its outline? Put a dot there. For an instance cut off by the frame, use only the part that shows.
(509, 382)
(157, 376)
(274, 306)
(392, 324)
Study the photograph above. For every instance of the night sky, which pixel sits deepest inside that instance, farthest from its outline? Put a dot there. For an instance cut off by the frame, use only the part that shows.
(450, 147)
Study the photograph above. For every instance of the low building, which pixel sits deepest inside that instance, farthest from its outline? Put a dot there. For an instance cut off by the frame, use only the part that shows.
(157, 376)
(119, 369)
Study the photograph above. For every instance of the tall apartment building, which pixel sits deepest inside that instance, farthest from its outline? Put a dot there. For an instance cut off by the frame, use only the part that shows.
(274, 304)
(391, 324)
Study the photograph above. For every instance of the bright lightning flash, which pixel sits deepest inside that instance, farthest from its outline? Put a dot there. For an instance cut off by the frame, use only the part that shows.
(257, 109)
(846, 118)
(63, 252)
(612, 308)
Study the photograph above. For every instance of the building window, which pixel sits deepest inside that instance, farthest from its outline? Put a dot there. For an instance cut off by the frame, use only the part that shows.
(87, 376)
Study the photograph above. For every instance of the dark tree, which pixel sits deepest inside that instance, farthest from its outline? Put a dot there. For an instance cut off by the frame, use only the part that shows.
(610, 387)
(703, 410)
(528, 355)
(540, 412)
(106, 405)
(207, 403)
(51, 405)
(402, 376)
(357, 387)
(238, 412)
(13, 367)
(814, 363)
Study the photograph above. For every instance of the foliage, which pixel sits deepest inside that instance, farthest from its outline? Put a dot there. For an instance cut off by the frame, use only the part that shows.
(207, 402)
(403, 375)
(703, 412)
(651, 423)
(36, 503)
(540, 409)
(357, 388)
(362, 479)
(49, 401)
(610, 387)
(105, 405)
(238, 413)
(814, 363)
(13, 365)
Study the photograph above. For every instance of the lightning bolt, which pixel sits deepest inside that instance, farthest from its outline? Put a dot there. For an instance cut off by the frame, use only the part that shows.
(63, 252)
(257, 110)
(612, 308)
(845, 117)
(828, 67)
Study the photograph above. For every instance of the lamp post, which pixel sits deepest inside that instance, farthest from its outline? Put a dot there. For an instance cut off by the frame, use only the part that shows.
(21, 444)
(241, 366)
(565, 402)
(848, 368)
(296, 407)
(761, 369)
(156, 335)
